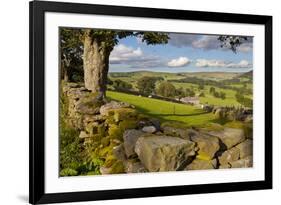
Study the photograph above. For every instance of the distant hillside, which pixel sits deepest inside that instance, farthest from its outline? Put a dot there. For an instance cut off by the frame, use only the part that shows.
(170, 76)
(248, 75)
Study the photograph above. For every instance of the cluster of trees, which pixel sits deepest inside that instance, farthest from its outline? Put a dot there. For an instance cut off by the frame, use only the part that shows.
(147, 86)
(247, 102)
(121, 85)
(224, 84)
(217, 94)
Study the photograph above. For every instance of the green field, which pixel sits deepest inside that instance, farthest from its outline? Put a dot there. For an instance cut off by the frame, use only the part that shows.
(164, 110)
(230, 99)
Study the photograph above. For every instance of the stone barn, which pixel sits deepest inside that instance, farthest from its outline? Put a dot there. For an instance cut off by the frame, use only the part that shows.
(191, 100)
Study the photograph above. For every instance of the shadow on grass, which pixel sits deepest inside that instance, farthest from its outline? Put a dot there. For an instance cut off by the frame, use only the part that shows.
(162, 117)
(181, 115)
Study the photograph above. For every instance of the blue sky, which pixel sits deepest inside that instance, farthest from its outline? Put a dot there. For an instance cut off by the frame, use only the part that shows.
(183, 53)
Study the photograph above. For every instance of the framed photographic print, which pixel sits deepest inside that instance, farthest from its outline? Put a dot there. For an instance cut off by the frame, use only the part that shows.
(140, 102)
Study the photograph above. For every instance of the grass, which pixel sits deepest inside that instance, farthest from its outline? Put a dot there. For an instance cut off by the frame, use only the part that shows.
(230, 99)
(210, 99)
(163, 110)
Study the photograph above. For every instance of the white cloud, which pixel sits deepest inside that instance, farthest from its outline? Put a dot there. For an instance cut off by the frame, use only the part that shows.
(123, 53)
(222, 63)
(207, 43)
(241, 64)
(134, 58)
(179, 62)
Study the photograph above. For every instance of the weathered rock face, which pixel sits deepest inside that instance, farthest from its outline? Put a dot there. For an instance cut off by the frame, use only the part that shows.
(134, 167)
(89, 106)
(243, 163)
(198, 164)
(105, 109)
(179, 132)
(149, 129)
(164, 153)
(208, 145)
(130, 138)
(245, 148)
(83, 135)
(230, 136)
(229, 156)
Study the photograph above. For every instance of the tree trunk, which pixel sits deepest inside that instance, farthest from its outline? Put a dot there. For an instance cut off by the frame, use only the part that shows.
(65, 76)
(64, 73)
(95, 63)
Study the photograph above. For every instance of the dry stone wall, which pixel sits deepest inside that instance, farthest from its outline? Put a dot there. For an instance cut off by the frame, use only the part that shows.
(129, 142)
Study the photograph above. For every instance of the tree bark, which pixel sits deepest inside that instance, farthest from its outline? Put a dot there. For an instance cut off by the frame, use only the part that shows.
(64, 73)
(65, 76)
(95, 63)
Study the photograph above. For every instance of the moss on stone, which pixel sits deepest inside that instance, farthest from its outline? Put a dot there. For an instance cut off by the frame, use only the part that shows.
(203, 156)
(212, 127)
(115, 132)
(105, 141)
(174, 124)
(105, 151)
(117, 168)
(128, 124)
(109, 161)
(68, 172)
(124, 114)
(246, 126)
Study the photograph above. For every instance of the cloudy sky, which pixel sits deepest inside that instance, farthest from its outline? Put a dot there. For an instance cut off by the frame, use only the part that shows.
(183, 53)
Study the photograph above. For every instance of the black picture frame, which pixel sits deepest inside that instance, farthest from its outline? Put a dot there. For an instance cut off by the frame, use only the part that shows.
(37, 10)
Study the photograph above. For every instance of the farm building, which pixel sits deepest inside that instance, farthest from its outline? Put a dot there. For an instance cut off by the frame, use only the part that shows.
(191, 100)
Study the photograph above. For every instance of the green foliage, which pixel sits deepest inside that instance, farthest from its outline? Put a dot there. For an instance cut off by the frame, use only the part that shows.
(201, 86)
(146, 85)
(202, 94)
(121, 85)
(68, 172)
(166, 89)
(75, 158)
(247, 102)
(71, 51)
(152, 38)
(222, 95)
(70, 148)
(212, 90)
(180, 93)
(189, 92)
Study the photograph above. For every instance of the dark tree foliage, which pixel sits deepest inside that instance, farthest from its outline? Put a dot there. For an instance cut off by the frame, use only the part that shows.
(189, 92)
(247, 102)
(180, 93)
(166, 89)
(121, 85)
(146, 85)
(232, 42)
(71, 51)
